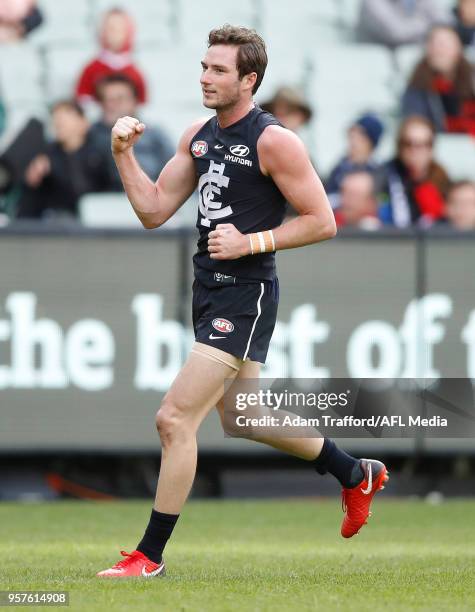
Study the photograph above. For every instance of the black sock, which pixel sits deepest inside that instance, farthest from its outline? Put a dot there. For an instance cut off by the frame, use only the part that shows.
(344, 467)
(156, 535)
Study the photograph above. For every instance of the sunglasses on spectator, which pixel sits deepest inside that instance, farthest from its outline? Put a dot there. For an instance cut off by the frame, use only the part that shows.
(417, 144)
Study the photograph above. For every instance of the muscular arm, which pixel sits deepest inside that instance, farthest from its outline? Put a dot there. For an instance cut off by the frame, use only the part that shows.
(154, 203)
(282, 156)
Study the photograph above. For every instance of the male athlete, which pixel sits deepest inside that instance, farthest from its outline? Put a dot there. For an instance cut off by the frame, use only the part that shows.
(246, 166)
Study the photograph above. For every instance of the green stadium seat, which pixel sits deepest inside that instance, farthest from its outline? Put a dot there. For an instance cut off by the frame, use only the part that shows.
(406, 58)
(456, 152)
(21, 72)
(63, 23)
(310, 25)
(63, 67)
(290, 68)
(107, 210)
(352, 79)
(349, 13)
(113, 210)
(196, 19)
(347, 81)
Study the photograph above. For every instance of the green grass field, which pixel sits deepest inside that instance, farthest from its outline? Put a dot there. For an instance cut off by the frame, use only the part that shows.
(272, 555)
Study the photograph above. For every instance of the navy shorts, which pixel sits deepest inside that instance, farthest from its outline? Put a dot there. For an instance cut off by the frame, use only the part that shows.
(235, 315)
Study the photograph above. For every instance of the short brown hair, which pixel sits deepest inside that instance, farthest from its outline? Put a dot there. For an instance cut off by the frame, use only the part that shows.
(68, 104)
(251, 55)
(113, 79)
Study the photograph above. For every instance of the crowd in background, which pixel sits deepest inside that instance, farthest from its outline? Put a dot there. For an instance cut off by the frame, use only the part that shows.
(411, 189)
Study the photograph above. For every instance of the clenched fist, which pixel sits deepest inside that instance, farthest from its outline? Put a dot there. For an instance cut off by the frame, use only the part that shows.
(227, 242)
(125, 133)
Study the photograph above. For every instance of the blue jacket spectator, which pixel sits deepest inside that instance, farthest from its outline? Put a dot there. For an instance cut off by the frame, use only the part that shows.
(363, 138)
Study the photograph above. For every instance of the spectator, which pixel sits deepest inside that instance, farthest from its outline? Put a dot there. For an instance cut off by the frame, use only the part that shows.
(465, 21)
(116, 40)
(358, 205)
(413, 184)
(17, 19)
(118, 97)
(289, 107)
(461, 205)
(363, 138)
(441, 87)
(398, 22)
(70, 167)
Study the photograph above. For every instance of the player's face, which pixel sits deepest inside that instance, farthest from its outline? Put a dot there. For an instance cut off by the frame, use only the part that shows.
(219, 80)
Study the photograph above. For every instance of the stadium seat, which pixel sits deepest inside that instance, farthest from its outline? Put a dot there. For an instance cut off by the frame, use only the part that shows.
(113, 210)
(448, 5)
(63, 23)
(353, 77)
(406, 58)
(456, 152)
(311, 24)
(290, 68)
(347, 81)
(21, 72)
(328, 140)
(196, 19)
(349, 13)
(63, 67)
(173, 75)
(326, 10)
(107, 210)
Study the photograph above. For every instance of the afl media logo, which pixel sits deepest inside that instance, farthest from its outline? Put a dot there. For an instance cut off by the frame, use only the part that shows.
(239, 150)
(223, 325)
(199, 148)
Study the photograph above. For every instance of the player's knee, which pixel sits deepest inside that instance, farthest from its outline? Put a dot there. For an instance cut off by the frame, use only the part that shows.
(169, 422)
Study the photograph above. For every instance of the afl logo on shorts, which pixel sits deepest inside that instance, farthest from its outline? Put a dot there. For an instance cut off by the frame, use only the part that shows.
(199, 148)
(239, 150)
(223, 325)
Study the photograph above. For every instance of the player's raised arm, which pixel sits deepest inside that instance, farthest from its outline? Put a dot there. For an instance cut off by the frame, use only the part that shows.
(153, 203)
(283, 156)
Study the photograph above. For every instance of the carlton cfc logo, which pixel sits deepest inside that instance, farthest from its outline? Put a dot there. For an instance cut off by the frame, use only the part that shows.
(223, 325)
(199, 148)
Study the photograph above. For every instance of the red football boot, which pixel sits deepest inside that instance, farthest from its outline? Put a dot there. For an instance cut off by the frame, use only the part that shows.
(357, 501)
(134, 564)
